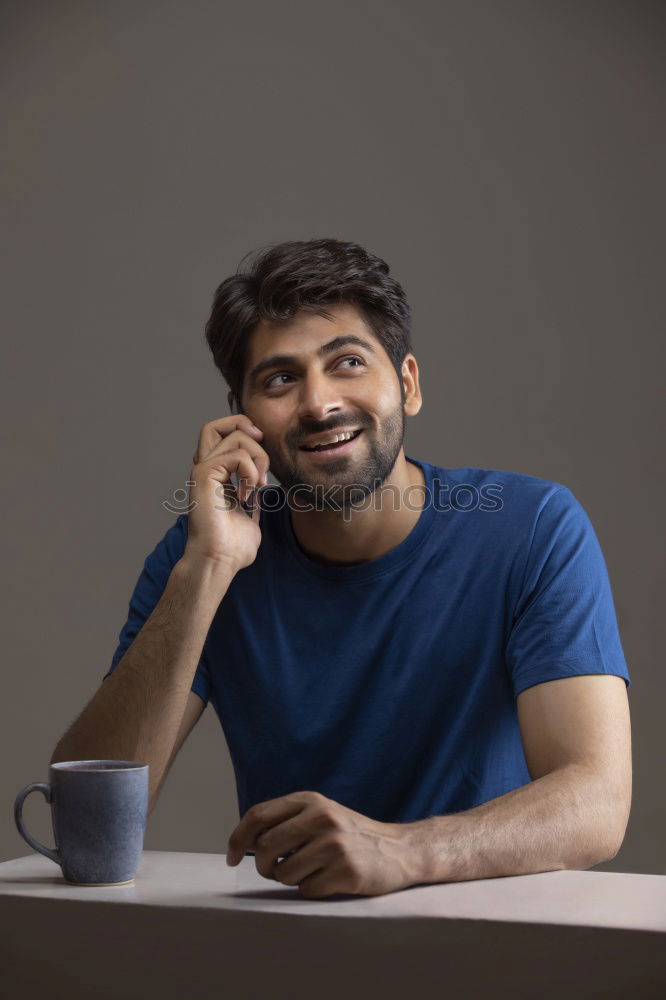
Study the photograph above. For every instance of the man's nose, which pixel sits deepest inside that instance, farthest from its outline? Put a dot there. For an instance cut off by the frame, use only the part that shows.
(319, 398)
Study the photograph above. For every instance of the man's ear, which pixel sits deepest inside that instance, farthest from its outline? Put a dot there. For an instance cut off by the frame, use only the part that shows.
(410, 381)
(230, 400)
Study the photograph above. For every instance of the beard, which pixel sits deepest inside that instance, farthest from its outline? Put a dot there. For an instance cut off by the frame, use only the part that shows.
(339, 483)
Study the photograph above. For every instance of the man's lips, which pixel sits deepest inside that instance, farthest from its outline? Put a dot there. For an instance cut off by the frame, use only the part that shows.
(325, 454)
(318, 438)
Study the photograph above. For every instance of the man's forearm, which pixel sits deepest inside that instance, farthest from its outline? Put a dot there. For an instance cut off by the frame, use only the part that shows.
(564, 820)
(136, 712)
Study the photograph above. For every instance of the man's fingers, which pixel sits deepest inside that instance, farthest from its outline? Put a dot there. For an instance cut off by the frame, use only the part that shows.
(242, 464)
(212, 433)
(262, 816)
(252, 471)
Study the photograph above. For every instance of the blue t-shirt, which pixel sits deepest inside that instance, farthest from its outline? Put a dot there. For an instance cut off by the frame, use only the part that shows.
(390, 686)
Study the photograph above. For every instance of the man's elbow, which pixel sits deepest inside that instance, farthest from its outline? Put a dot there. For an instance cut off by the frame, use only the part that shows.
(612, 798)
(606, 853)
(601, 835)
(612, 835)
(616, 843)
(597, 849)
(57, 756)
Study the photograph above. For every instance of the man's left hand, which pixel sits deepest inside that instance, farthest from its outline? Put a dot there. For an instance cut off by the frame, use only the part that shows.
(326, 848)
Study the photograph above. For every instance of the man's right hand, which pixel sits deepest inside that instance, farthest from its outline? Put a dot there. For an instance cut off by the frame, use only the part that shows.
(219, 530)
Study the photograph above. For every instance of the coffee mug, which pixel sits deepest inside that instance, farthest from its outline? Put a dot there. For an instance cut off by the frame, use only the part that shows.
(99, 810)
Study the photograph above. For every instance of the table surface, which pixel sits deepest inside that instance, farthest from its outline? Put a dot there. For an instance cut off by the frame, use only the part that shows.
(203, 881)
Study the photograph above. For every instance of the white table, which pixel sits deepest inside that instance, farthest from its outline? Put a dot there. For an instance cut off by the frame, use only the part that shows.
(189, 927)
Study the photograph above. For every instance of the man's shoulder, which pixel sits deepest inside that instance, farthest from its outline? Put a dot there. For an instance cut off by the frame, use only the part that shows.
(522, 488)
(500, 510)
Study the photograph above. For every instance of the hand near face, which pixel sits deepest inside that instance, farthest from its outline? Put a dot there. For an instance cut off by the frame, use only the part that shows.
(219, 530)
(335, 850)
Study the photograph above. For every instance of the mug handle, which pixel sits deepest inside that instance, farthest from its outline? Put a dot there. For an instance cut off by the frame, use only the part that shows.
(45, 789)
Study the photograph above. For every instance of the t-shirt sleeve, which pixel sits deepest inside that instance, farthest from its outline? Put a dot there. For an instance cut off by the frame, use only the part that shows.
(147, 592)
(565, 622)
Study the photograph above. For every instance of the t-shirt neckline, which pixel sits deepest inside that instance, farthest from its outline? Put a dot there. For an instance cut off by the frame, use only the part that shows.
(388, 562)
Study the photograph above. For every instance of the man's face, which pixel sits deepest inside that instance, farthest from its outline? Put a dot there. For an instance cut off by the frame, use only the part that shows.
(351, 386)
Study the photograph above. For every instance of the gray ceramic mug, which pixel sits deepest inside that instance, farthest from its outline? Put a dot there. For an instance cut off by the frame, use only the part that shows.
(99, 810)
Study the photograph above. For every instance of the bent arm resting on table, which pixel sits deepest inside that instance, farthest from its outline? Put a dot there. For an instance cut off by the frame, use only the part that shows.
(573, 814)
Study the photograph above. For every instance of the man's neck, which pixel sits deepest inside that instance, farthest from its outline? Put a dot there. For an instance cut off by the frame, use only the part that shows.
(327, 537)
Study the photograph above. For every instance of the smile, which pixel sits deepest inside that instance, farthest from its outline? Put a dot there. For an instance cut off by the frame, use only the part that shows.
(334, 449)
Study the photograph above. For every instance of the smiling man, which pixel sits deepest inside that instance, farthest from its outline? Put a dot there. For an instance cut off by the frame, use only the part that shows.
(327, 486)
(417, 669)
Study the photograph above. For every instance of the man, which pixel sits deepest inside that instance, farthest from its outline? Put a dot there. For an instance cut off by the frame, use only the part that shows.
(418, 670)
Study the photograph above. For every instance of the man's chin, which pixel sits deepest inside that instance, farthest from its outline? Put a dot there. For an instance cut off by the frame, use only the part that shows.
(317, 472)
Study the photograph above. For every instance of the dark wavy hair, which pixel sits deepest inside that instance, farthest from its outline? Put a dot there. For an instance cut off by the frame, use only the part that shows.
(286, 277)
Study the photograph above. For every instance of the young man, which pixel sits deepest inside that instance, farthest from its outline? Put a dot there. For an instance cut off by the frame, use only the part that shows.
(418, 670)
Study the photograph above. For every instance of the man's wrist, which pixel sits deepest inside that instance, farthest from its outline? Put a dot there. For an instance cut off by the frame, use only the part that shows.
(416, 839)
(216, 571)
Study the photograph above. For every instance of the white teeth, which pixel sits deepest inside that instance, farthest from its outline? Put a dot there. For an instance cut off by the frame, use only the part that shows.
(333, 440)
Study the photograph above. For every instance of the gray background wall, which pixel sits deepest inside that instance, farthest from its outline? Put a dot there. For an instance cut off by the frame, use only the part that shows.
(506, 158)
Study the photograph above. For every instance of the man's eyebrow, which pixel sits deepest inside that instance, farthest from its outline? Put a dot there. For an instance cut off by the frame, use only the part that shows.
(277, 360)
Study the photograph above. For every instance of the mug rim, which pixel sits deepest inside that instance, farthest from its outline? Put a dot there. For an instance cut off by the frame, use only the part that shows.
(122, 765)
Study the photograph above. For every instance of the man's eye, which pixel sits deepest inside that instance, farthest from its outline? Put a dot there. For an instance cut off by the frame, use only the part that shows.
(287, 375)
(279, 375)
